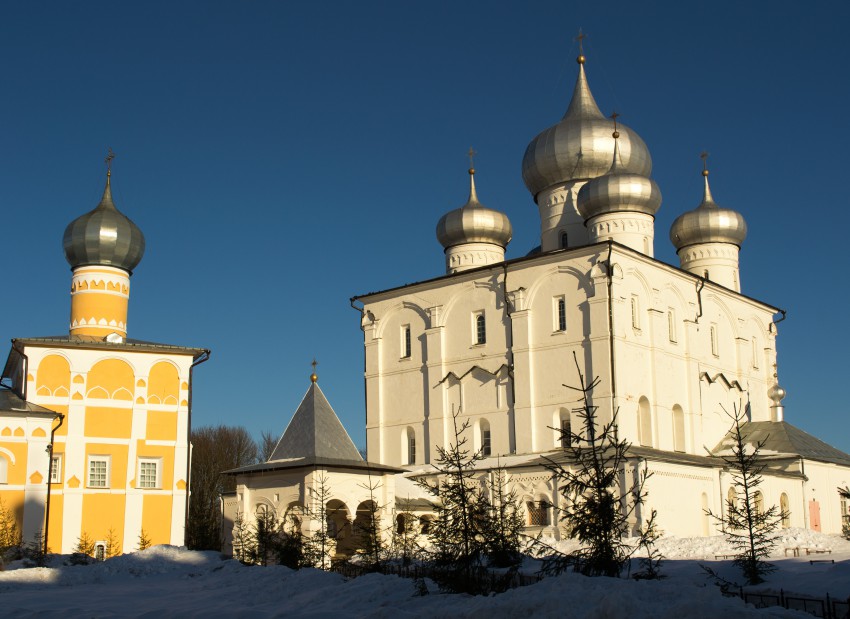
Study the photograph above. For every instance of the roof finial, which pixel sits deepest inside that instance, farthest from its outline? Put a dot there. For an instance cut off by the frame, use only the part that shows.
(614, 116)
(473, 195)
(707, 199)
(313, 377)
(109, 157)
(580, 38)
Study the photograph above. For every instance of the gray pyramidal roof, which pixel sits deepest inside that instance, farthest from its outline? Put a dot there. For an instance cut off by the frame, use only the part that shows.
(781, 437)
(315, 432)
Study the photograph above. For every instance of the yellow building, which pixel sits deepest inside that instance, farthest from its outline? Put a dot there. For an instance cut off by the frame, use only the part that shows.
(94, 427)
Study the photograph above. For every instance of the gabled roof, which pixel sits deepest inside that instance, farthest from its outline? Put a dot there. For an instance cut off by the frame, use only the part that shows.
(315, 432)
(781, 438)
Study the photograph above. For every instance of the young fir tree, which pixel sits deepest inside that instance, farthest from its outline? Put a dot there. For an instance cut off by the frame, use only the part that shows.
(144, 541)
(84, 550)
(405, 537)
(113, 544)
(370, 535)
(845, 525)
(320, 545)
(10, 535)
(506, 522)
(290, 545)
(459, 530)
(264, 534)
(748, 525)
(603, 491)
(35, 551)
(243, 545)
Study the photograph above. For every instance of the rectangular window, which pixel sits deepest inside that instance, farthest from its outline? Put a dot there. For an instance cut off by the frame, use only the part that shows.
(56, 469)
(671, 325)
(566, 433)
(713, 335)
(755, 354)
(635, 313)
(485, 441)
(148, 473)
(480, 328)
(405, 342)
(560, 311)
(411, 449)
(98, 472)
(538, 513)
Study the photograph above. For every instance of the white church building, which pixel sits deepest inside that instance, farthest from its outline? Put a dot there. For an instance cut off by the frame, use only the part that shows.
(674, 346)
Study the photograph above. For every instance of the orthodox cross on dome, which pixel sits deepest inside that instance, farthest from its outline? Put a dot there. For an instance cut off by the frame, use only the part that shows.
(109, 157)
(704, 156)
(313, 377)
(580, 38)
(471, 153)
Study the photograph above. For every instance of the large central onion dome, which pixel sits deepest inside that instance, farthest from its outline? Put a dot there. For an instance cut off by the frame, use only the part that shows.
(579, 147)
(104, 236)
(474, 223)
(708, 223)
(618, 191)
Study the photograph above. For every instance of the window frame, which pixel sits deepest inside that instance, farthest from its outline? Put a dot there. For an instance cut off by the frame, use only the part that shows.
(479, 328)
(672, 331)
(157, 462)
(712, 334)
(406, 343)
(57, 478)
(107, 460)
(411, 447)
(559, 314)
(4, 470)
(486, 441)
(635, 303)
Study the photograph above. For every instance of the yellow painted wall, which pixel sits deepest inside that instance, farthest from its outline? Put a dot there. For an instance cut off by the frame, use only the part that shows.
(118, 463)
(166, 457)
(13, 500)
(162, 426)
(54, 375)
(112, 375)
(156, 518)
(63, 429)
(164, 383)
(108, 422)
(16, 473)
(102, 511)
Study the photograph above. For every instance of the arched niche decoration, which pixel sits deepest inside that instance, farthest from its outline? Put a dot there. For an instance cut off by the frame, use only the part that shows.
(53, 376)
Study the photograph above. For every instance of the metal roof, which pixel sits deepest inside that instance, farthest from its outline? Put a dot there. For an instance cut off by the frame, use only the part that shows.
(781, 438)
(90, 341)
(10, 402)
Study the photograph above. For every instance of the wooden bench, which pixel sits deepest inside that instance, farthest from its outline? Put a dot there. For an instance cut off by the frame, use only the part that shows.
(818, 551)
(724, 556)
(813, 561)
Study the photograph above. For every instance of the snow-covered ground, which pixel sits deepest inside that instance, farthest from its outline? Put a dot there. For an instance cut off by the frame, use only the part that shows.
(165, 581)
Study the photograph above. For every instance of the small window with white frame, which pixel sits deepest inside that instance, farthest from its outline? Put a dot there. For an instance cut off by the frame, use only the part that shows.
(672, 331)
(98, 472)
(755, 353)
(559, 313)
(635, 312)
(405, 342)
(479, 326)
(56, 469)
(149, 473)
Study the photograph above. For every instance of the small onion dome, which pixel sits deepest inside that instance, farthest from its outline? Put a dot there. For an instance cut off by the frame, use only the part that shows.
(776, 394)
(474, 223)
(618, 191)
(708, 223)
(578, 147)
(104, 236)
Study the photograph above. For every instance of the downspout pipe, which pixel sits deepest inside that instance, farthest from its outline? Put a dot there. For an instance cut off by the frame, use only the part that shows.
(198, 360)
(360, 310)
(510, 351)
(610, 269)
(61, 418)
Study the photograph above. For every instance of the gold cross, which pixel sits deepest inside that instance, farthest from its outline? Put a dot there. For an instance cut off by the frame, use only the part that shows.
(580, 38)
(704, 156)
(614, 116)
(471, 154)
(314, 364)
(109, 157)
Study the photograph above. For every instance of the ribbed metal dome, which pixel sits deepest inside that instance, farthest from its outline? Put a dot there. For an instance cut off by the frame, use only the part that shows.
(104, 236)
(618, 191)
(474, 223)
(580, 146)
(708, 223)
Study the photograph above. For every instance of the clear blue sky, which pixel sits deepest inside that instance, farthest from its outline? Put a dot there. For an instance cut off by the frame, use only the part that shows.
(281, 157)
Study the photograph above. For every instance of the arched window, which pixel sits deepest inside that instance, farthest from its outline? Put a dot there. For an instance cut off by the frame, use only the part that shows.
(731, 499)
(480, 329)
(678, 428)
(562, 314)
(4, 470)
(758, 502)
(564, 240)
(405, 342)
(409, 446)
(644, 423)
(484, 440)
(786, 512)
(425, 524)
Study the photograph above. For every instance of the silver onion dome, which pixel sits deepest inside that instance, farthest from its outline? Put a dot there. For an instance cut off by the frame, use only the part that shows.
(776, 394)
(618, 191)
(579, 146)
(474, 223)
(104, 236)
(708, 223)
